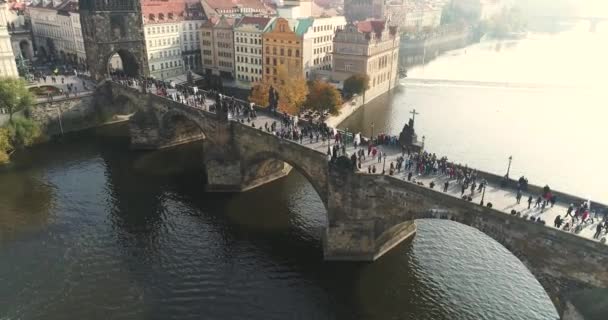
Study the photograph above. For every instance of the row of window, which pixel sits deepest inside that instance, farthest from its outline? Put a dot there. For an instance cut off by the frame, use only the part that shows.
(224, 54)
(327, 27)
(323, 39)
(248, 79)
(191, 37)
(225, 64)
(323, 50)
(250, 50)
(246, 69)
(282, 51)
(322, 60)
(246, 60)
(381, 78)
(225, 45)
(165, 54)
(163, 42)
(244, 40)
(162, 29)
(167, 65)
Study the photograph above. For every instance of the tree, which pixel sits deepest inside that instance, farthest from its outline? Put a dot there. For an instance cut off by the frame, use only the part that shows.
(356, 84)
(23, 132)
(322, 96)
(14, 96)
(259, 94)
(292, 91)
(5, 145)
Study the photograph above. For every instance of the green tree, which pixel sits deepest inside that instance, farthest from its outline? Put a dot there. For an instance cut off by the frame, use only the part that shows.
(356, 84)
(14, 96)
(23, 132)
(5, 145)
(322, 96)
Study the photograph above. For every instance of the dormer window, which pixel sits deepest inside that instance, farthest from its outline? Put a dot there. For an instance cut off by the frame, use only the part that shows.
(170, 15)
(161, 16)
(151, 17)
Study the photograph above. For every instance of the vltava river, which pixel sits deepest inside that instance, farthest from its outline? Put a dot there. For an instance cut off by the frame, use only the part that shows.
(92, 230)
(542, 100)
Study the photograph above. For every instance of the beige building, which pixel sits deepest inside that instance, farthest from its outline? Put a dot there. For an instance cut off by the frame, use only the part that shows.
(217, 47)
(318, 43)
(8, 68)
(248, 48)
(56, 29)
(371, 48)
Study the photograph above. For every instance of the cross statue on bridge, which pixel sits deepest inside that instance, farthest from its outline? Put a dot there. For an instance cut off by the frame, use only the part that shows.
(414, 113)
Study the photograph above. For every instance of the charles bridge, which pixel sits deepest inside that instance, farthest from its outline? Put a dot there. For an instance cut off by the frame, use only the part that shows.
(367, 214)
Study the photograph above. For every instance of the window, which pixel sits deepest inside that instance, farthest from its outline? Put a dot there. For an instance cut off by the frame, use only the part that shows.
(297, 52)
(274, 50)
(282, 52)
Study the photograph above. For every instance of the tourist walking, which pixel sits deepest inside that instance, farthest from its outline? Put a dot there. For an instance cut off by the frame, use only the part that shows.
(518, 196)
(598, 230)
(529, 201)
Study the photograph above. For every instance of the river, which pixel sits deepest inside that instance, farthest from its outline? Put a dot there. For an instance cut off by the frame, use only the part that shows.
(92, 230)
(541, 100)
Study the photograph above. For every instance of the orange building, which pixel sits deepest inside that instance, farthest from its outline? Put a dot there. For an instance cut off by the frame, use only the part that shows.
(282, 47)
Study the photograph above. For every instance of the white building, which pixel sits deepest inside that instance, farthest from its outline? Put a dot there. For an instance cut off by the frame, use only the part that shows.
(248, 49)
(191, 43)
(162, 34)
(317, 45)
(8, 68)
(57, 31)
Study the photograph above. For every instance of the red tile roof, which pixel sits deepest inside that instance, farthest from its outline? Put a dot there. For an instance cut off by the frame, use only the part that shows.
(261, 22)
(375, 26)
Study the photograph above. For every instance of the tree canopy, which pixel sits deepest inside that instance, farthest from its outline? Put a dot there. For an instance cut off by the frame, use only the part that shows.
(259, 94)
(292, 91)
(14, 96)
(5, 145)
(356, 84)
(323, 96)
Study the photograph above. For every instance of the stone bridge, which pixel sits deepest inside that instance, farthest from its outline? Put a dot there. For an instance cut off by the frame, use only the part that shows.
(367, 214)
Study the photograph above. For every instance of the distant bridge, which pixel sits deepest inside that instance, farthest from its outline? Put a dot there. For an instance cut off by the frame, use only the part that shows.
(593, 21)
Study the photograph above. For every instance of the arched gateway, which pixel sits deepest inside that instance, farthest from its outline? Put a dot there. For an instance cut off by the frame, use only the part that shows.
(109, 27)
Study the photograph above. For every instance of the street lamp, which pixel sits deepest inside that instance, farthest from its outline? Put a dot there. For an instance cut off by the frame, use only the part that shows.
(483, 194)
(346, 137)
(509, 167)
(372, 137)
(383, 164)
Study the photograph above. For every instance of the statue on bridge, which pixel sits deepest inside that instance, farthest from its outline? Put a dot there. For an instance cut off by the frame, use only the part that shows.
(408, 138)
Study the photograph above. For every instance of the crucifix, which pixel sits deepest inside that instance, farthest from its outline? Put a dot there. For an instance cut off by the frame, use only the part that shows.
(414, 113)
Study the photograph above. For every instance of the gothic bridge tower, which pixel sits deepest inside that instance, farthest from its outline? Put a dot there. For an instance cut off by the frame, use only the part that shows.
(113, 27)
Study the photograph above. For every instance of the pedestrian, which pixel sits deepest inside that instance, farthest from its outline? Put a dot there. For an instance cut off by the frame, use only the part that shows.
(409, 176)
(445, 186)
(518, 196)
(462, 189)
(529, 201)
(558, 221)
(598, 231)
(570, 209)
(538, 201)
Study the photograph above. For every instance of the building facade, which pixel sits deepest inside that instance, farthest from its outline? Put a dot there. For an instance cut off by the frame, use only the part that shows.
(248, 49)
(191, 43)
(317, 45)
(371, 48)
(8, 67)
(236, 8)
(57, 30)
(282, 49)
(217, 47)
(359, 10)
(162, 29)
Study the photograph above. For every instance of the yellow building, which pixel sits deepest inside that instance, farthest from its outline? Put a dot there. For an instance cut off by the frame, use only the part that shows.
(282, 47)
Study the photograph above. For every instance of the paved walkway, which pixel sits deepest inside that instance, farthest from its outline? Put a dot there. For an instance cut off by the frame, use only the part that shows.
(501, 199)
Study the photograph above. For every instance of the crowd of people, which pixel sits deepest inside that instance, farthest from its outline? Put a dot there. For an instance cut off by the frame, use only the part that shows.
(414, 165)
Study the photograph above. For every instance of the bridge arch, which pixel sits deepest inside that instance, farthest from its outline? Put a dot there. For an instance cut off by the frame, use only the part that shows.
(178, 127)
(264, 162)
(122, 62)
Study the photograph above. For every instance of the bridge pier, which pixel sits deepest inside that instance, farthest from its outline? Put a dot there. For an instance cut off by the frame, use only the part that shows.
(364, 221)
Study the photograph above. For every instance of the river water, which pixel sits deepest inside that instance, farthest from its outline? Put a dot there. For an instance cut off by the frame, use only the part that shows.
(92, 230)
(541, 100)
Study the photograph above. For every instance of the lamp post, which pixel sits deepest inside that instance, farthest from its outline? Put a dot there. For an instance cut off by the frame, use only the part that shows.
(509, 167)
(372, 137)
(346, 137)
(483, 194)
(384, 163)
